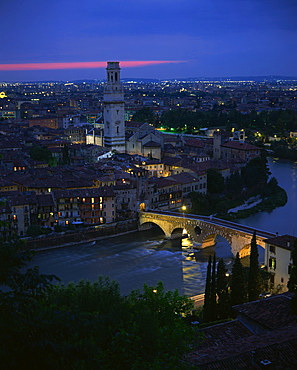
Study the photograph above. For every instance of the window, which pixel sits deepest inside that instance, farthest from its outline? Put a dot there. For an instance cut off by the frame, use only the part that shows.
(289, 269)
(272, 249)
(272, 263)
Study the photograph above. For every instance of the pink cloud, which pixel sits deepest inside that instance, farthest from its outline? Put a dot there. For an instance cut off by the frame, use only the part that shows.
(79, 65)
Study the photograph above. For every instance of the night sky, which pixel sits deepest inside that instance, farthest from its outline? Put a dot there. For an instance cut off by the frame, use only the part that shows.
(192, 38)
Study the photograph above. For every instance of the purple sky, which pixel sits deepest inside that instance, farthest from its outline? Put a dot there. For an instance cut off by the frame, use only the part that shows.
(212, 37)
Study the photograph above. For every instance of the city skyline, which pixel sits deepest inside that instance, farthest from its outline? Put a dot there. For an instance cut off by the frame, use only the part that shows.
(156, 39)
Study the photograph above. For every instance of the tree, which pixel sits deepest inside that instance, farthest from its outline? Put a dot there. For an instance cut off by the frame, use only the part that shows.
(237, 284)
(207, 294)
(65, 155)
(144, 115)
(215, 182)
(41, 153)
(292, 283)
(213, 291)
(254, 279)
(86, 325)
(256, 172)
(234, 185)
(223, 307)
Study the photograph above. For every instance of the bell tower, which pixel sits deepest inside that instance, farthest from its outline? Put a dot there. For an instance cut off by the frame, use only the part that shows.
(114, 109)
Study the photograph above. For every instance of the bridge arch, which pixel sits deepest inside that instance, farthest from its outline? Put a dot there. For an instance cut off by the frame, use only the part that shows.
(238, 236)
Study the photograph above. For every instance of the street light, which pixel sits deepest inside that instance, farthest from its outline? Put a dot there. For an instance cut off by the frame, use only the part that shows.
(184, 208)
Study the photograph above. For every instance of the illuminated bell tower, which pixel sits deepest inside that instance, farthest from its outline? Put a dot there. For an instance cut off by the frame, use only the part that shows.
(114, 109)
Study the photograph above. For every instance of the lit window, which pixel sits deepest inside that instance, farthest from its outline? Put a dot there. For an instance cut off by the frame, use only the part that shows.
(93, 200)
(272, 263)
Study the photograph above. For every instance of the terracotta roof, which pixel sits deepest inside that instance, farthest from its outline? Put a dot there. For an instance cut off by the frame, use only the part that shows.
(283, 241)
(104, 191)
(194, 142)
(238, 145)
(151, 144)
(45, 200)
(184, 178)
(271, 313)
(233, 346)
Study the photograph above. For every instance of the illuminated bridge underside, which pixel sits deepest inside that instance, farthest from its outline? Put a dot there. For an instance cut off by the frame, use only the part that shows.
(208, 230)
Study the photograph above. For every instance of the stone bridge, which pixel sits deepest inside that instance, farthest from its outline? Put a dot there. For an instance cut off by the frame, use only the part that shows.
(204, 229)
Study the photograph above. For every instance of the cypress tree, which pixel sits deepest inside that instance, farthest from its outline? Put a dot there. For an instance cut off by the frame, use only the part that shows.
(237, 284)
(223, 307)
(207, 294)
(254, 279)
(292, 283)
(213, 291)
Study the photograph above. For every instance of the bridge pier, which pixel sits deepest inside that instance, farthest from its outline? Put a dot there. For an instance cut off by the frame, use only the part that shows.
(203, 230)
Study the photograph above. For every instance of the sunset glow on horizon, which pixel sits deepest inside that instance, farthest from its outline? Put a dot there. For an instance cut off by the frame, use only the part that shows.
(80, 65)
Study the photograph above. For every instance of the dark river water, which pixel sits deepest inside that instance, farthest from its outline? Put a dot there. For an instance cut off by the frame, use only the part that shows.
(282, 219)
(145, 257)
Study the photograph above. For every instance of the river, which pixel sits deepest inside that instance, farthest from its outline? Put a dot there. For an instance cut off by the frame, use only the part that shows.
(281, 219)
(145, 257)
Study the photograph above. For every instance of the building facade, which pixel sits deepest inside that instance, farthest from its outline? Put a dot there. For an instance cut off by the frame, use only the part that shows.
(278, 261)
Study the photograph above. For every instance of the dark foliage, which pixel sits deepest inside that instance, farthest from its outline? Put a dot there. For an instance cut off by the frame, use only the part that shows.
(85, 325)
(237, 283)
(223, 306)
(254, 279)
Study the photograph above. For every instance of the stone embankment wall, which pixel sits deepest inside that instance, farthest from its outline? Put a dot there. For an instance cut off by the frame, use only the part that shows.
(69, 237)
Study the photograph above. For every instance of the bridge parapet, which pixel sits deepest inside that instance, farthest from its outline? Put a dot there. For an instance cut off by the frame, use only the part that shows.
(203, 230)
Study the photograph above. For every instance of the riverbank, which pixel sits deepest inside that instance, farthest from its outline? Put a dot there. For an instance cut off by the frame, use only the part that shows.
(250, 207)
(83, 235)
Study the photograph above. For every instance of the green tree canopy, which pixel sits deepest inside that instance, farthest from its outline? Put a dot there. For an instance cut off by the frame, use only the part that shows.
(86, 325)
(254, 279)
(215, 182)
(41, 153)
(256, 172)
(237, 284)
(144, 115)
(223, 307)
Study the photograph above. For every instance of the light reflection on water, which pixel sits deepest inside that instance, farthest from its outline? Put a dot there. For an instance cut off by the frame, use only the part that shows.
(134, 259)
